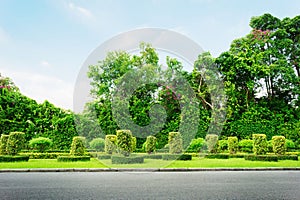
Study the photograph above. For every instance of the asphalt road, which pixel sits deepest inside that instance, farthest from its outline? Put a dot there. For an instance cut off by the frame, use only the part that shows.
(151, 185)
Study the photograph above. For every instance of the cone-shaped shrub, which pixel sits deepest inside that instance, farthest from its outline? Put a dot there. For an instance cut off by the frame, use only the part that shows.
(233, 145)
(150, 145)
(278, 143)
(77, 146)
(260, 146)
(175, 143)
(110, 144)
(124, 142)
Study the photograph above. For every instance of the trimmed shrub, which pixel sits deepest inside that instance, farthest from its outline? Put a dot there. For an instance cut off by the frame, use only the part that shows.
(287, 157)
(176, 157)
(197, 145)
(269, 146)
(278, 145)
(289, 145)
(44, 155)
(246, 145)
(98, 144)
(124, 142)
(222, 145)
(40, 143)
(133, 144)
(126, 160)
(77, 146)
(212, 142)
(153, 156)
(3, 144)
(217, 156)
(268, 158)
(15, 143)
(104, 157)
(236, 155)
(150, 144)
(259, 144)
(233, 145)
(9, 158)
(110, 144)
(175, 143)
(73, 158)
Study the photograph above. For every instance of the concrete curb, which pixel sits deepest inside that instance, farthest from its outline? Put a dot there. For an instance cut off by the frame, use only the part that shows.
(146, 169)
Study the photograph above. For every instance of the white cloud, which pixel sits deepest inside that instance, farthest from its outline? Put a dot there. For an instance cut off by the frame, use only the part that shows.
(45, 63)
(42, 87)
(80, 10)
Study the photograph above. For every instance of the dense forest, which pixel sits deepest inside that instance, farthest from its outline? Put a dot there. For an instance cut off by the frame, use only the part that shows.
(260, 73)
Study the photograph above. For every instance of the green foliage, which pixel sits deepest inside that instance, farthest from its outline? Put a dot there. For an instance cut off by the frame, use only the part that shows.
(287, 157)
(77, 146)
(175, 143)
(15, 143)
(259, 144)
(153, 156)
(124, 142)
(3, 144)
(246, 145)
(290, 145)
(176, 157)
(73, 158)
(44, 155)
(40, 143)
(133, 144)
(233, 145)
(127, 160)
(278, 145)
(217, 156)
(110, 144)
(103, 157)
(197, 145)
(212, 142)
(10, 158)
(150, 144)
(268, 158)
(98, 144)
(222, 145)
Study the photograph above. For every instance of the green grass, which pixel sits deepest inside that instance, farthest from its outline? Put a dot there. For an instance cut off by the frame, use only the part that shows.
(149, 163)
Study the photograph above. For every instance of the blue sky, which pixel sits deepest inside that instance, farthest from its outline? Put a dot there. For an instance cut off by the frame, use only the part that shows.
(44, 43)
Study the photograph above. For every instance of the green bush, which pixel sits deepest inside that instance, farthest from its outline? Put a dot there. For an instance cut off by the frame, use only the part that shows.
(73, 158)
(222, 145)
(127, 159)
(104, 157)
(287, 157)
(153, 156)
(15, 143)
(246, 146)
(9, 158)
(278, 145)
(236, 155)
(110, 144)
(212, 142)
(197, 145)
(269, 146)
(98, 144)
(217, 156)
(40, 143)
(176, 157)
(44, 155)
(175, 143)
(150, 144)
(259, 144)
(133, 144)
(3, 144)
(289, 145)
(77, 146)
(124, 142)
(233, 145)
(261, 158)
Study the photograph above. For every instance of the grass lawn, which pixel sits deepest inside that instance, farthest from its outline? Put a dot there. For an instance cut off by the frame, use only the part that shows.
(151, 163)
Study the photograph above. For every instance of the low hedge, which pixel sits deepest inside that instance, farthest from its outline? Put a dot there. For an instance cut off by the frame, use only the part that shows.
(236, 155)
(127, 160)
(287, 157)
(268, 158)
(103, 157)
(8, 158)
(44, 155)
(153, 156)
(73, 158)
(176, 157)
(217, 156)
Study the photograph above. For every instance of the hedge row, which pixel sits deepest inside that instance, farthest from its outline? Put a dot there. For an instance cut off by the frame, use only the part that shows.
(73, 158)
(44, 155)
(217, 156)
(103, 157)
(176, 157)
(8, 158)
(126, 160)
(153, 156)
(261, 158)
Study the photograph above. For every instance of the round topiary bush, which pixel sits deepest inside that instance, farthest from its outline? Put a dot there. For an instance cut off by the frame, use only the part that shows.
(77, 146)
(98, 144)
(110, 144)
(175, 143)
(246, 146)
(40, 143)
(3, 144)
(15, 143)
(222, 145)
(124, 142)
(197, 145)
(289, 145)
(150, 144)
